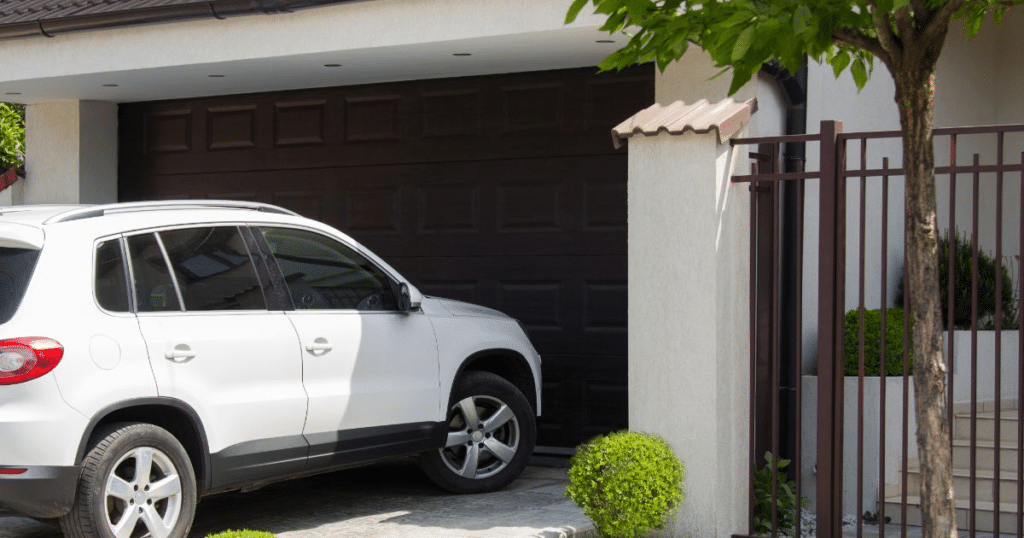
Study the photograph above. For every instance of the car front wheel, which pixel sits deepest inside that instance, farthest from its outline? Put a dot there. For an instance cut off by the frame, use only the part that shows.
(136, 481)
(491, 434)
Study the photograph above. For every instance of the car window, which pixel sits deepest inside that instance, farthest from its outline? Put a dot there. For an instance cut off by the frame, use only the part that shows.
(154, 288)
(322, 273)
(213, 269)
(111, 284)
(16, 267)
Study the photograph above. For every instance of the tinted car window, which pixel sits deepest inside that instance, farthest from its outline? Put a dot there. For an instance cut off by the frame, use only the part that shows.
(111, 284)
(16, 267)
(154, 289)
(213, 269)
(322, 273)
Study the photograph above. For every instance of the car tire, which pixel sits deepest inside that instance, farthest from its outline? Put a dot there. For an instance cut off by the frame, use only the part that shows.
(491, 434)
(114, 500)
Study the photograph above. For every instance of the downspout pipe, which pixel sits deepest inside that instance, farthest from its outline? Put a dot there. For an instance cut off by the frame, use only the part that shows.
(794, 89)
(218, 9)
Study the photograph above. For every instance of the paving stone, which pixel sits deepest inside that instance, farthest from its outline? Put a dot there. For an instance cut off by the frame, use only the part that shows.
(388, 500)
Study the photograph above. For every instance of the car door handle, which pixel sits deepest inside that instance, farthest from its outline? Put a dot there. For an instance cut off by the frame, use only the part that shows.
(319, 345)
(180, 353)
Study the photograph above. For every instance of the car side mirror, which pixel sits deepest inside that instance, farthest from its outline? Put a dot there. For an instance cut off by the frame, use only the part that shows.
(404, 300)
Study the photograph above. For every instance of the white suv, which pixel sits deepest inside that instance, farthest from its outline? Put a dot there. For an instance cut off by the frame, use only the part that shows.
(155, 352)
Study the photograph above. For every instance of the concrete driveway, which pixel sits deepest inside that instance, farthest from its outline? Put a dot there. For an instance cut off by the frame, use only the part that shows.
(389, 500)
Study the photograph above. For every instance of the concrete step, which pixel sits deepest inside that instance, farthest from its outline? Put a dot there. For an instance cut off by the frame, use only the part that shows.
(984, 489)
(985, 429)
(985, 515)
(985, 454)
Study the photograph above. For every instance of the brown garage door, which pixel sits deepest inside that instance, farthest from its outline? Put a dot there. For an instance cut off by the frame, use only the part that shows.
(500, 190)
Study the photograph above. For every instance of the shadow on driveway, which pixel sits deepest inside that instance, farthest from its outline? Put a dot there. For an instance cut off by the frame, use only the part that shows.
(393, 499)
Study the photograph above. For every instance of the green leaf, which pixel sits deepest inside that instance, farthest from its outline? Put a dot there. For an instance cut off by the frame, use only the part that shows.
(839, 62)
(743, 41)
(574, 10)
(859, 70)
(802, 19)
(973, 23)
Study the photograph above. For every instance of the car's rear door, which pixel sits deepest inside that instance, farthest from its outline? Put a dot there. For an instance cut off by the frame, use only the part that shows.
(370, 371)
(214, 345)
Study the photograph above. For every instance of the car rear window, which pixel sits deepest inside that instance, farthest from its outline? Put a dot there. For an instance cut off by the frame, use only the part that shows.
(16, 266)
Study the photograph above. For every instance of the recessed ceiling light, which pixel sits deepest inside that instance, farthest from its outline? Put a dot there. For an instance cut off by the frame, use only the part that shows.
(462, 54)
(12, 93)
(215, 76)
(332, 65)
(110, 85)
(605, 41)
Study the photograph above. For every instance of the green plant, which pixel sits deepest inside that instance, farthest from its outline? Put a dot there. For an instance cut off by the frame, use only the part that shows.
(785, 498)
(962, 287)
(627, 482)
(873, 341)
(242, 534)
(962, 276)
(12, 136)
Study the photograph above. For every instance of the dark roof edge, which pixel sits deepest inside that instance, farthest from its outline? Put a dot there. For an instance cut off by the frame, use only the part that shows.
(221, 9)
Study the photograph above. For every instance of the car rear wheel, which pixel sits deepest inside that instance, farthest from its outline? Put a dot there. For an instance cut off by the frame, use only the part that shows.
(491, 434)
(137, 481)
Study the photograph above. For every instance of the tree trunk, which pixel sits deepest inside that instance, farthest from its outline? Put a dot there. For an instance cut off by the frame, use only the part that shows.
(915, 98)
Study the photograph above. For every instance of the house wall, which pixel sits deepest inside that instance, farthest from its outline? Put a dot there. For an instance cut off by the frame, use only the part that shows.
(379, 41)
(977, 85)
(73, 153)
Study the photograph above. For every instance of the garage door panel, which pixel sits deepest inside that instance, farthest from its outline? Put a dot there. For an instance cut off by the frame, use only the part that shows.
(587, 395)
(569, 305)
(540, 114)
(501, 190)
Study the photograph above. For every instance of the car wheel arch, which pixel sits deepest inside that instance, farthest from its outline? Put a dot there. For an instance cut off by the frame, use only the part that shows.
(175, 416)
(506, 363)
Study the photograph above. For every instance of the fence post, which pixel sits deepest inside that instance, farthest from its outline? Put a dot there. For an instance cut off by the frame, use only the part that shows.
(831, 283)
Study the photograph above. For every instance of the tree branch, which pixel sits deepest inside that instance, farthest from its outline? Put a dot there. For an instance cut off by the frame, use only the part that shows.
(888, 41)
(938, 19)
(856, 38)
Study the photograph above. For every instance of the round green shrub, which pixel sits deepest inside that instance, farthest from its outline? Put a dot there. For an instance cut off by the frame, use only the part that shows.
(627, 482)
(963, 281)
(873, 342)
(242, 534)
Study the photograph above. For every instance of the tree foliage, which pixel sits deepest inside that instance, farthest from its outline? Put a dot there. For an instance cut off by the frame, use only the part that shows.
(742, 35)
(12, 136)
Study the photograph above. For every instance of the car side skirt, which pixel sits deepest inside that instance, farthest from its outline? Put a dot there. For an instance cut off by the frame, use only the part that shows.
(269, 460)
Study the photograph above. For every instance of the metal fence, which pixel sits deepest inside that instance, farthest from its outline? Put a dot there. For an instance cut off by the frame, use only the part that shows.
(852, 438)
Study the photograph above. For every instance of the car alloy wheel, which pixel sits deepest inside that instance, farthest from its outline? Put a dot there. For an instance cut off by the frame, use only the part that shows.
(483, 437)
(143, 495)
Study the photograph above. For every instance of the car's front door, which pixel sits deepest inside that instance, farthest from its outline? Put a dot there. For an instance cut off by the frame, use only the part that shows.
(214, 345)
(370, 371)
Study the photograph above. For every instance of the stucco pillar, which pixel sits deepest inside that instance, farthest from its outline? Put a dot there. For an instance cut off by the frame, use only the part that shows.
(689, 319)
(71, 154)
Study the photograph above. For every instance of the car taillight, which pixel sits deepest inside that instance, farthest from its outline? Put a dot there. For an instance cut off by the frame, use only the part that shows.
(24, 359)
(12, 471)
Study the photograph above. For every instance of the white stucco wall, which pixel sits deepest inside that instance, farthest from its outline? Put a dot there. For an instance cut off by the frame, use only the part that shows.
(689, 371)
(378, 41)
(688, 258)
(72, 153)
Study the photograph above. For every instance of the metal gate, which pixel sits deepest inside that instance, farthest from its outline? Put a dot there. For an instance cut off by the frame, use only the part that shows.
(855, 437)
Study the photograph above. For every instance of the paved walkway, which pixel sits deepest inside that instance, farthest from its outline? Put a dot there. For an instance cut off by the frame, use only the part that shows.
(392, 500)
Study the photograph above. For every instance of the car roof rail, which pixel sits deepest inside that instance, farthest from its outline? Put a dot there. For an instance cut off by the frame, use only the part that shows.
(88, 212)
(7, 210)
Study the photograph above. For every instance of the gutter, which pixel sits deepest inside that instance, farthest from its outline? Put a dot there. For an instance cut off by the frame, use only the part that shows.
(219, 9)
(794, 88)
